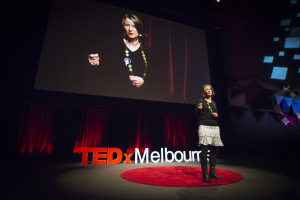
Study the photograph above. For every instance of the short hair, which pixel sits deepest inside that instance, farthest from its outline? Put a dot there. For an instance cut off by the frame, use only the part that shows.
(136, 20)
(204, 93)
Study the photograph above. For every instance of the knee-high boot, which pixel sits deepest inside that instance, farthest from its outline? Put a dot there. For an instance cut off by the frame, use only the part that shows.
(212, 164)
(203, 161)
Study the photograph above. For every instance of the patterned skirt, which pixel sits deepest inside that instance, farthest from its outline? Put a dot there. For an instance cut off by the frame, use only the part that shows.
(209, 135)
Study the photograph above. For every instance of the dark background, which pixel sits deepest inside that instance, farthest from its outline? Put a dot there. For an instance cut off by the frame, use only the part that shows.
(239, 34)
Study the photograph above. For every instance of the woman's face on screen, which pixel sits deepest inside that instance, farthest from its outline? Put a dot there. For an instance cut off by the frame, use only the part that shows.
(130, 29)
(208, 90)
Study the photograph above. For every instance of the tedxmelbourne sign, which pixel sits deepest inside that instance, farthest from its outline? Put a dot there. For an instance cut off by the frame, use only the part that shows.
(108, 156)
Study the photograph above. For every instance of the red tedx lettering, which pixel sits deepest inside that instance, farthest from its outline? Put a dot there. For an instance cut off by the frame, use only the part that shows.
(85, 152)
(127, 158)
(110, 153)
(103, 156)
(96, 156)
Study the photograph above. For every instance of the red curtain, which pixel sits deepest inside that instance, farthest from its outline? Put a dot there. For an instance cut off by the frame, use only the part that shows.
(185, 64)
(142, 136)
(36, 129)
(149, 41)
(171, 86)
(171, 66)
(176, 131)
(93, 129)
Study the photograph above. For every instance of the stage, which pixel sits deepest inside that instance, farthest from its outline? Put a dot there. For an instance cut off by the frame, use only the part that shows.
(56, 179)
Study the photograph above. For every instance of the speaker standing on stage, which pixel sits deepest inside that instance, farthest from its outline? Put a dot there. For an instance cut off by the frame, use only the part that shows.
(208, 132)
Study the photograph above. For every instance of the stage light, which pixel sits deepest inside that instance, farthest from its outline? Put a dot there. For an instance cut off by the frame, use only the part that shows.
(285, 88)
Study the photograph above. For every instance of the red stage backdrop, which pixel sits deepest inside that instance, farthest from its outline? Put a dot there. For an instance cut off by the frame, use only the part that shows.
(93, 128)
(176, 134)
(142, 134)
(36, 132)
(36, 129)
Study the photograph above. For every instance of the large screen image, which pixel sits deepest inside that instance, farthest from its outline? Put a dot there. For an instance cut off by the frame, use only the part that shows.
(98, 49)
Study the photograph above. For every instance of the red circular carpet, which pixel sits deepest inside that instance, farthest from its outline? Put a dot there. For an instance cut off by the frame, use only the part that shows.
(178, 176)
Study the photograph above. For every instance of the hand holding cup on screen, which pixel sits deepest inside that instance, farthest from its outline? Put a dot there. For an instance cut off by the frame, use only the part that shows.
(94, 59)
(136, 81)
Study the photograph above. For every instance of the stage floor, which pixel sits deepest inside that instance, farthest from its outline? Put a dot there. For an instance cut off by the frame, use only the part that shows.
(44, 179)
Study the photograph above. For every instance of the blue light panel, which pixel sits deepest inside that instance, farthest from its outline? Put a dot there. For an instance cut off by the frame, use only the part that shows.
(292, 42)
(268, 59)
(279, 73)
(276, 39)
(281, 53)
(296, 57)
(285, 22)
